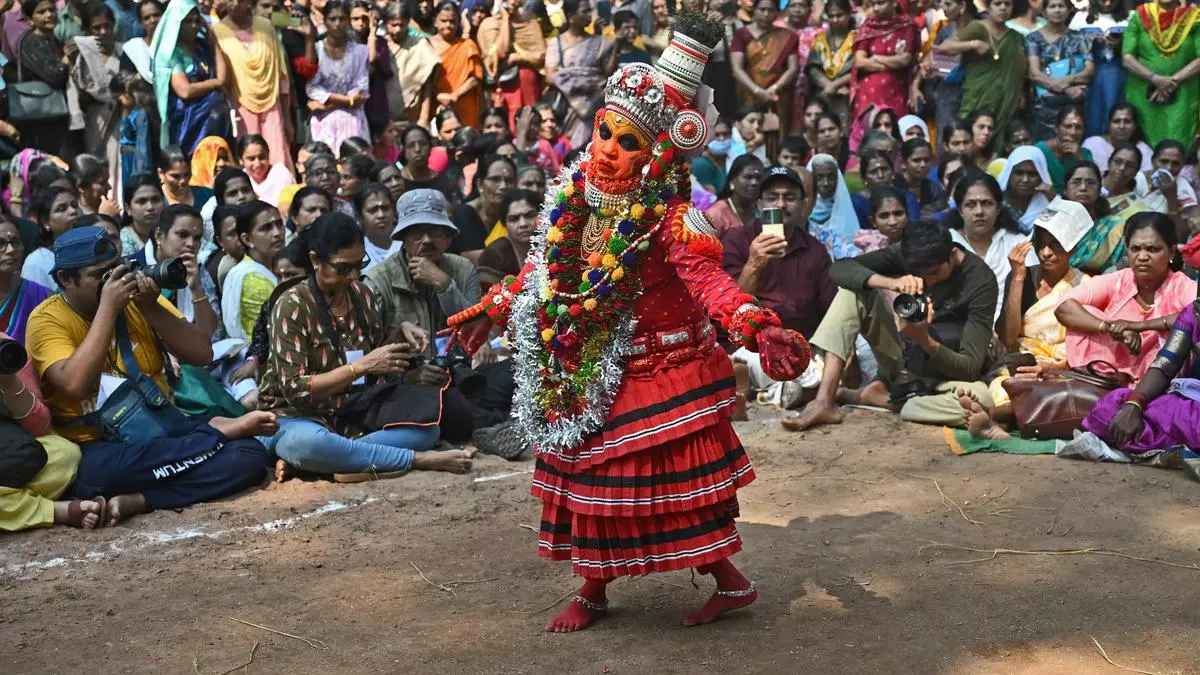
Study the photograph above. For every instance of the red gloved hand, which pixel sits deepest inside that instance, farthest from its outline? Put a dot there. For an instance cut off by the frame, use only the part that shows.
(474, 333)
(784, 354)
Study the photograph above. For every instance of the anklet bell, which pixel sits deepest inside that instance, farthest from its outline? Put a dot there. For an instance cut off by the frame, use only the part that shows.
(745, 592)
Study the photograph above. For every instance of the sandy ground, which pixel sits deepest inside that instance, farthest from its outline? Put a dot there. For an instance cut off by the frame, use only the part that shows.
(834, 528)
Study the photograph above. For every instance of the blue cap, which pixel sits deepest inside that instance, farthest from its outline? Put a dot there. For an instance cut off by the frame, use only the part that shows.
(83, 247)
(422, 207)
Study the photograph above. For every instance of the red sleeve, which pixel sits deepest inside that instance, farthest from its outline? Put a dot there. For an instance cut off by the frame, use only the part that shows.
(740, 39)
(303, 67)
(715, 290)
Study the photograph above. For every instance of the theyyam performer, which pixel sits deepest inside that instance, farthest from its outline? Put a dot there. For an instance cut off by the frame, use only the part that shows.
(622, 390)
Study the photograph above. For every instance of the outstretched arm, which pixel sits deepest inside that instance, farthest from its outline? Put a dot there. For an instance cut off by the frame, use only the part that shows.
(473, 324)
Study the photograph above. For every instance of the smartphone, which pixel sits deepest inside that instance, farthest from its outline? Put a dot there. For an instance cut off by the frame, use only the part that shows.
(284, 20)
(773, 221)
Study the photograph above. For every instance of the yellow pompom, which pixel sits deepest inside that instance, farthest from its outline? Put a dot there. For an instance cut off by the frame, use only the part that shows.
(659, 209)
(547, 334)
(637, 211)
(589, 304)
(618, 274)
(609, 261)
(584, 276)
(554, 235)
(568, 190)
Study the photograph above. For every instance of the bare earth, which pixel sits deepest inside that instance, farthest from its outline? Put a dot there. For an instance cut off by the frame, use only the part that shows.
(833, 529)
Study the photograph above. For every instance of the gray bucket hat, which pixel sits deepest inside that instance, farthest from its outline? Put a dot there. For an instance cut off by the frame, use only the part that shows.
(422, 207)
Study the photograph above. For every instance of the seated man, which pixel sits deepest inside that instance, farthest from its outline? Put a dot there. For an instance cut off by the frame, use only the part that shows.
(922, 360)
(73, 345)
(422, 284)
(788, 274)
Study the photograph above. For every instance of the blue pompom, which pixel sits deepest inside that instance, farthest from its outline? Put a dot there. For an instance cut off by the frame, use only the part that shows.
(603, 290)
(629, 258)
(595, 276)
(625, 227)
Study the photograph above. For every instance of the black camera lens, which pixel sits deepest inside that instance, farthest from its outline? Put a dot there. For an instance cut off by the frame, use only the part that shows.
(12, 357)
(170, 273)
(911, 308)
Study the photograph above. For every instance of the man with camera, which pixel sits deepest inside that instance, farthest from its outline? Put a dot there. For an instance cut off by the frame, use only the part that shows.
(776, 260)
(107, 334)
(925, 305)
(423, 284)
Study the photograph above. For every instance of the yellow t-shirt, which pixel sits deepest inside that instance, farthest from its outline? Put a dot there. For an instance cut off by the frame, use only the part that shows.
(54, 332)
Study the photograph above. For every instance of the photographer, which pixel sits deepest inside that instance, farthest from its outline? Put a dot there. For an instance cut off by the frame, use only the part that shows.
(326, 337)
(76, 343)
(923, 358)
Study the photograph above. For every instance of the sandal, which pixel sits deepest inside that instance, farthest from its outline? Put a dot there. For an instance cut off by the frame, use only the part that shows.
(76, 514)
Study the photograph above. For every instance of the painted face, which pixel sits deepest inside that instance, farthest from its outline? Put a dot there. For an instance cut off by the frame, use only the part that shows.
(619, 151)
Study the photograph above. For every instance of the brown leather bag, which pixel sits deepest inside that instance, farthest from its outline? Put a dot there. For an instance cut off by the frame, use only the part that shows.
(1053, 406)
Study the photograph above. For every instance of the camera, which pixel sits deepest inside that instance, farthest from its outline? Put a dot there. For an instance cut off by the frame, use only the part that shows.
(169, 273)
(462, 375)
(911, 308)
(12, 357)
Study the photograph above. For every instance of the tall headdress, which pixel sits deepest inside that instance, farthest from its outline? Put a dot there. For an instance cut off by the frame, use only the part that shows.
(661, 99)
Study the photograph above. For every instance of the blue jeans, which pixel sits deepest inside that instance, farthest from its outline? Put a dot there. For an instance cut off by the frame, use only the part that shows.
(309, 446)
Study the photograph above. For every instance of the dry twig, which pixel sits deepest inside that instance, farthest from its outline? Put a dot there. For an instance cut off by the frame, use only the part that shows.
(528, 527)
(196, 662)
(311, 642)
(1047, 552)
(424, 578)
(552, 605)
(1117, 665)
(962, 513)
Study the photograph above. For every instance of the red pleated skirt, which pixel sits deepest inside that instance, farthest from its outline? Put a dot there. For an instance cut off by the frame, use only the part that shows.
(655, 489)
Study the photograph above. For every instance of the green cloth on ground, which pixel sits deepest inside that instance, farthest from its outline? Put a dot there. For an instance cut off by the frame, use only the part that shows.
(961, 442)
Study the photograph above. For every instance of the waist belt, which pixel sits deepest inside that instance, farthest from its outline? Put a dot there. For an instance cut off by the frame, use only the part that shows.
(672, 339)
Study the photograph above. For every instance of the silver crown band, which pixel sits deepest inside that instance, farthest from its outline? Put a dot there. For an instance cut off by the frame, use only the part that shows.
(647, 109)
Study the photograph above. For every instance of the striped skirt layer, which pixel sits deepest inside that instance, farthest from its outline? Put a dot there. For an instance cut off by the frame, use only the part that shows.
(656, 490)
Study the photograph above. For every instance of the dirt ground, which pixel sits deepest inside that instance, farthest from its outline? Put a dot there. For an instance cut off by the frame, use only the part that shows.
(834, 529)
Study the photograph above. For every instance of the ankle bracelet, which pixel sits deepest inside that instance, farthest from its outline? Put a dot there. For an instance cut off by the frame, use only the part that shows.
(745, 592)
(588, 604)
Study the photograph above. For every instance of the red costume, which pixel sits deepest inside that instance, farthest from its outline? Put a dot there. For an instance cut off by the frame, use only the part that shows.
(621, 388)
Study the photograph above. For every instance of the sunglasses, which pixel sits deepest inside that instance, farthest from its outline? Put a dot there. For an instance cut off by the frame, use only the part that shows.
(342, 269)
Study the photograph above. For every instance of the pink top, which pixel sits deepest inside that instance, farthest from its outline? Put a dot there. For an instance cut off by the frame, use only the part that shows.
(1111, 297)
(37, 422)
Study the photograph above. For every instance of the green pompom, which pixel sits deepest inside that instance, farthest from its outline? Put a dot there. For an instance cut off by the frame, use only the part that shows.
(617, 245)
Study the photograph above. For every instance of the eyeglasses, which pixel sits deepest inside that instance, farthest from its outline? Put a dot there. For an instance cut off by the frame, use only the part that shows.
(1083, 182)
(342, 269)
(15, 244)
(322, 172)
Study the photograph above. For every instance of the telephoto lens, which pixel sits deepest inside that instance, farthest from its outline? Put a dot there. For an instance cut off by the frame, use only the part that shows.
(911, 308)
(12, 357)
(169, 273)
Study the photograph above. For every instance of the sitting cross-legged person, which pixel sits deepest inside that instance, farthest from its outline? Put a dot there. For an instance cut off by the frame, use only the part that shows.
(110, 326)
(788, 274)
(326, 338)
(925, 356)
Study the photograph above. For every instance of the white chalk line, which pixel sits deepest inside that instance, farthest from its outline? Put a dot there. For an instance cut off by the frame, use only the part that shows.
(139, 540)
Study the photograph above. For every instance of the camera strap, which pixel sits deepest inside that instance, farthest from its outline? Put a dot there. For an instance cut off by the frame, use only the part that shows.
(325, 316)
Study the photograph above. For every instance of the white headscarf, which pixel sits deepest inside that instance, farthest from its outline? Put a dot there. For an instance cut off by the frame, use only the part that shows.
(909, 121)
(833, 221)
(1037, 204)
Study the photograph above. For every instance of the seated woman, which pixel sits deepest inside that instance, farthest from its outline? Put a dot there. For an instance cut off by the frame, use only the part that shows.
(833, 220)
(1157, 414)
(877, 172)
(1161, 189)
(249, 283)
(1025, 181)
(1123, 128)
(229, 249)
(533, 178)
(326, 336)
(377, 213)
(506, 255)
(1065, 147)
(355, 173)
(738, 205)
(18, 296)
(56, 210)
(1027, 323)
(29, 498)
(308, 204)
(478, 220)
(1104, 245)
(981, 226)
(211, 156)
(889, 216)
(1123, 317)
(266, 179)
(916, 157)
(175, 173)
(178, 235)
(143, 204)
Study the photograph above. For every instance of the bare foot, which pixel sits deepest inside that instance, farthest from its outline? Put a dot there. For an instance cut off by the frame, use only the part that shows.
(86, 514)
(579, 614)
(283, 471)
(721, 602)
(454, 461)
(815, 414)
(981, 425)
(257, 423)
(125, 506)
(876, 394)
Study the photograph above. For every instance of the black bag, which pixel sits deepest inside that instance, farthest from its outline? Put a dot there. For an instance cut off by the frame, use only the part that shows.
(34, 101)
(22, 456)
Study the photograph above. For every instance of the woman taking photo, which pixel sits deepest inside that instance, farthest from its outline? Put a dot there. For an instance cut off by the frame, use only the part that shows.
(766, 62)
(1103, 245)
(1065, 147)
(1123, 317)
(1160, 51)
(519, 215)
(460, 79)
(831, 60)
(886, 46)
(573, 61)
(1060, 66)
(189, 80)
(377, 213)
(1122, 128)
(250, 282)
(1103, 25)
(479, 220)
(1025, 181)
(257, 76)
(338, 93)
(983, 227)
(143, 205)
(326, 337)
(18, 296)
(738, 205)
(266, 178)
(56, 210)
(993, 56)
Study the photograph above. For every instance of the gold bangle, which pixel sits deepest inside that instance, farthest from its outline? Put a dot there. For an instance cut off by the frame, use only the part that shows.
(199, 299)
(352, 370)
(1103, 326)
(1135, 404)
